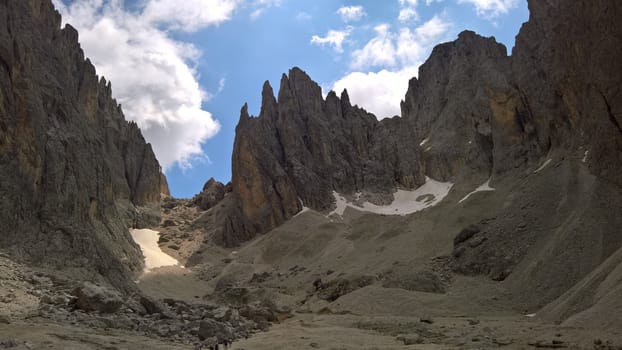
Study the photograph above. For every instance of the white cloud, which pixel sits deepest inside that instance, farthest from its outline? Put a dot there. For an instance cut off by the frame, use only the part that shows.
(152, 75)
(491, 8)
(386, 63)
(221, 85)
(430, 2)
(431, 30)
(408, 11)
(379, 51)
(303, 16)
(188, 15)
(260, 7)
(380, 92)
(257, 13)
(407, 14)
(334, 38)
(351, 13)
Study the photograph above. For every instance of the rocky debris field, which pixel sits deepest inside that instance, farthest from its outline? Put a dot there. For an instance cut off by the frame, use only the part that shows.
(46, 298)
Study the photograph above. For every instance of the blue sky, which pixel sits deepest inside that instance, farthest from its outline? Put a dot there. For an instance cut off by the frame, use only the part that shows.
(183, 68)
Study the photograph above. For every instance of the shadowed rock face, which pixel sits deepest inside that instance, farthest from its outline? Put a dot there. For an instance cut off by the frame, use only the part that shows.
(563, 64)
(72, 168)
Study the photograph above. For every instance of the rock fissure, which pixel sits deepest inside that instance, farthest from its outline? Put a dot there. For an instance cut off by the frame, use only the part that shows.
(610, 114)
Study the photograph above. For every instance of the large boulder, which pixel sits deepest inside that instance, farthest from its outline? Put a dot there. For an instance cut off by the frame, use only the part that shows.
(209, 328)
(92, 297)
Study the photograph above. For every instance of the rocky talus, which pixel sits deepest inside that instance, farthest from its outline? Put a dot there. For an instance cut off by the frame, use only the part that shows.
(73, 170)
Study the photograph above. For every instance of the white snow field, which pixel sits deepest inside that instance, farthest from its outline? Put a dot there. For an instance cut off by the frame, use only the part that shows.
(154, 256)
(482, 188)
(404, 202)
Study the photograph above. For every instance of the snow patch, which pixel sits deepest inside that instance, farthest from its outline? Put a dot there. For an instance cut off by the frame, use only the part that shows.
(530, 315)
(424, 141)
(543, 166)
(341, 204)
(482, 188)
(404, 202)
(154, 256)
(304, 210)
(585, 156)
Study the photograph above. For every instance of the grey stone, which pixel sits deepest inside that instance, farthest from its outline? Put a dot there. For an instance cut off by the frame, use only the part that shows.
(410, 339)
(209, 328)
(212, 193)
(91, 297)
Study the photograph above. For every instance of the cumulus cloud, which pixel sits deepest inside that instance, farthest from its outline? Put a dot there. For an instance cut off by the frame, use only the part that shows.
(152, 74)
(351, 13)
(378, 92)
(379, 51)
(188, 15)
(384, 65)
(407, 14)
(408, 11)
(491, 8)
(334, 38)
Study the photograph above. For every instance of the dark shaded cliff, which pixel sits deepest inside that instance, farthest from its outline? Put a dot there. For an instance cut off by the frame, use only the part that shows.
(72, 168)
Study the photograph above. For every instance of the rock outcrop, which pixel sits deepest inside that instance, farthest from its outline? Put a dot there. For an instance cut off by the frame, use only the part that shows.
(73, 170)
(212, 193)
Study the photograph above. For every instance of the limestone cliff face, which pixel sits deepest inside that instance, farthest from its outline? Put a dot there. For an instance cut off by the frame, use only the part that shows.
(565, 65)
(72, 168)
(301, 148)
(467, 114)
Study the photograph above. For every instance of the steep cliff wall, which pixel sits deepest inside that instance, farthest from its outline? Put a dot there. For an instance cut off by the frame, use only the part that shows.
(72, 168)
